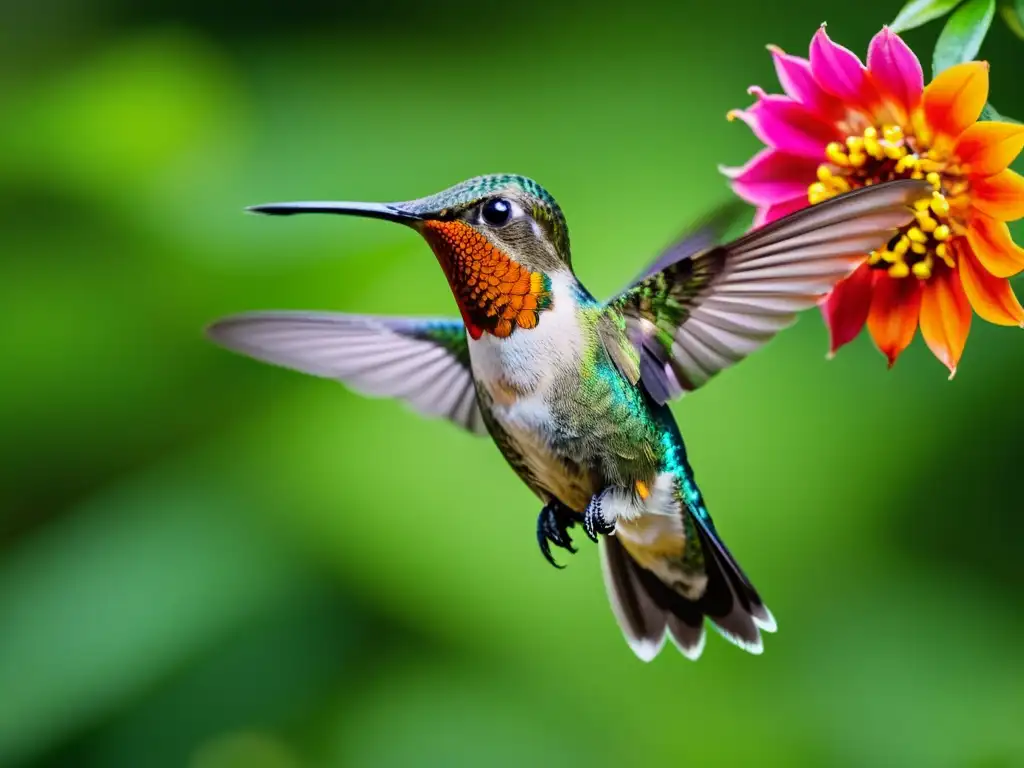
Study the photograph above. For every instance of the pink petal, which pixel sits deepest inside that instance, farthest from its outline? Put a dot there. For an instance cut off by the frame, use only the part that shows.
(839, 71)
(846, 308)
(798, 82)
(782, 123)
(895, 70)
(770, 213)
(772, 176)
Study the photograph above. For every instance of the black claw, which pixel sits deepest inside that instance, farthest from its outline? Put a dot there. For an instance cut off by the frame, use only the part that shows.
(553, 524)
(594, 522)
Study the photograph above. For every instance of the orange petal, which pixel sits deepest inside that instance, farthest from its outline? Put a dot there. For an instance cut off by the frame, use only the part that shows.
(954, 99)
(987, 148)
(1000, 196)
(991, 297)
(892, 319)
(945, 317)
(991, 242)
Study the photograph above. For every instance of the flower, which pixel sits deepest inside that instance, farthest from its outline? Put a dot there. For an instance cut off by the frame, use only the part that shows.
(841, 125)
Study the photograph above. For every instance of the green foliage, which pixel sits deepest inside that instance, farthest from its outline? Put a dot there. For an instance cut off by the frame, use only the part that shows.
(963, 34)
(990, 113)
(1012, 12)
(918, 12)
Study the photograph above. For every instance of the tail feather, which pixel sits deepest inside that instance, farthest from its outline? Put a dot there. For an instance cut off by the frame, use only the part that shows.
(642, 620)
(648, 610)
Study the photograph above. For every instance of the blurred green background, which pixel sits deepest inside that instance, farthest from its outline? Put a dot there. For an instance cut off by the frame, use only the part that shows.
(211, 563)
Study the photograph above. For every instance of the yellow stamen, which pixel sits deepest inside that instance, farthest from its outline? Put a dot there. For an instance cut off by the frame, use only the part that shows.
(894, 152)
(884, 152)
(899, 269)
(892, 133)
(817, 192)
(925, 222)
(871, 145)
(835, 153)
(923, 269)
(906, 163)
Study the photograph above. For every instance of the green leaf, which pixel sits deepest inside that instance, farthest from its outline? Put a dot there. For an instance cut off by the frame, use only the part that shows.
(1012, 12)
(990, 113)
(918, 12)
(963, 34)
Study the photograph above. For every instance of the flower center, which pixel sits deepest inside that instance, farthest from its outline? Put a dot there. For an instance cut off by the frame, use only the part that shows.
(885, 154)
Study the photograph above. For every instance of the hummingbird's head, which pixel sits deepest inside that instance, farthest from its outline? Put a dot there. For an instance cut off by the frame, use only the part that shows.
(499, 240)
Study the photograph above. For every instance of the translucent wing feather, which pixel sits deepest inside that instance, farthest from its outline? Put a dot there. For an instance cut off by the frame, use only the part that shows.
(424, 362)
(708, 310)
(705, 233)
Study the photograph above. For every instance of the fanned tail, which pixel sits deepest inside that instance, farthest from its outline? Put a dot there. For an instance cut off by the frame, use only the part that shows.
(649, 610)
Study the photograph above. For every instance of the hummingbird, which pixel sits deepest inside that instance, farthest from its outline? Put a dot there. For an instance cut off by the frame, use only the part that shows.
(575, 391)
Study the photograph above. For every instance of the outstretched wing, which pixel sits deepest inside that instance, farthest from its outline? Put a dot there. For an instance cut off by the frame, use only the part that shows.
(706, 232)
(709, 310)
(424, 362)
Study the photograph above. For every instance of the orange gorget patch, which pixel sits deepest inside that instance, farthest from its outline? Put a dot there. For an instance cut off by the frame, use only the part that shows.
(495, 293)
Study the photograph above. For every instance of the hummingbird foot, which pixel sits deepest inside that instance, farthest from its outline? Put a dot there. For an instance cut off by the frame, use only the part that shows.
(553, 524)
(594, 521)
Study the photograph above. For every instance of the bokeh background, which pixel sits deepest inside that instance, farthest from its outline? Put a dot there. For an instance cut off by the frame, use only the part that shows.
(210, 563)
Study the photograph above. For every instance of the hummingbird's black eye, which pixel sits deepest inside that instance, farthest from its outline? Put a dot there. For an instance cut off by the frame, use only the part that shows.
(497, 211)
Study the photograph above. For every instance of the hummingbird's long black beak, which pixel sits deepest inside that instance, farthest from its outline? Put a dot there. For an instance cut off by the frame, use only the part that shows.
(386, 211)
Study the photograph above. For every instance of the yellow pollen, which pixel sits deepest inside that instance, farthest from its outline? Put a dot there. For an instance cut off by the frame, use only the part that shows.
(818, 192)
(892, 133)
(939, 205)
(837, 154)
(886, 152)
(893, 152)
(906, 163)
